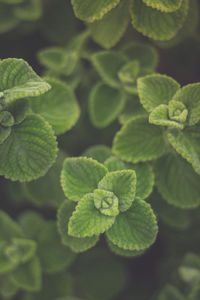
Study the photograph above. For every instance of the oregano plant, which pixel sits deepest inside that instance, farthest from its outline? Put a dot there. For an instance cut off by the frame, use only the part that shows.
(99, 150)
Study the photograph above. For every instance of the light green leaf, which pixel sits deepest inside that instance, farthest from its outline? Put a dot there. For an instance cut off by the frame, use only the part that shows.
(156, 89)
(145, 54)
(58, 106)
(189, 271)
(76, 244)
(98, 152)
(177, 111)
(170, 292)
(87, 220)
(108, 64)
(122, 184)
(4, 134)
(81, 176)
(46, 191)
(106, 202)
(109, 30)
(113, 163)
(129, 72)
(186, 143)
(165, 6)
(54, 257)
(28, 275)
(160, 116)
(7, 264)
(8, 228)
(29, 151)
(19, 109)
(123, 252)
(18, 80)
(6, 119)
(139, 141)
(190, 96)
(105, 104)
(157, 24)
(136, 229)
(91, 10)
(177, 182)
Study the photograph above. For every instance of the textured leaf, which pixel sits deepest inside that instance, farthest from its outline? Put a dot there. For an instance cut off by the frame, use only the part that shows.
(122, 184)
(113, 163)
(170, 292)
(29, 151)
(123, 252)
(156, 89)
(109, 30)
(139, 141)
(159, 116)
(54, 256)
(87, 220)
(186, 143)
(81, 176)
(18, 80)
(19, 109)
(129, 72)
(136, 229)
(76, 244)
(106, 202)
(108, 64)
(58, 106)
(177, 111)
(177, 182)
(166, 5)
(8, 228)
(105, 104)
(4, 133)
(190, 96)
(46, 191)
(189, 271)
(157, 24)
(6, 119)
(92, 10)
(98, 152)
(145, 54)
(28, 275)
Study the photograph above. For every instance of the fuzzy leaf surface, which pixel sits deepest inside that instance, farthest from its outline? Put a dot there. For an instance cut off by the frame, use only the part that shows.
(156, 89)
(122, 184)
(98, 152)
(136, 229)
(122, 252)
(139, 141)
(29, 151)
(105, 104)
(87, 220)
(81, 176)
(76, 244)
(165, 6)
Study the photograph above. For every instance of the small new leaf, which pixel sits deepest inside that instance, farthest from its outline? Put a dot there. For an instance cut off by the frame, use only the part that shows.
(106, 202)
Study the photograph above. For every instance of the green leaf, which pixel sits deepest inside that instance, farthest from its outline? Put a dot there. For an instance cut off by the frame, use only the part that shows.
(29, 151)
(105, 104)
(28, 275)
(170, 292)
(92, 10)
(156, 89)
(189, 271)
(122, 184)
(113, 163)
(186, 143)
(76, 244)
(160, 116)
(7, 264)
(4, 134)
(46, 191)
(139, 141)
(156, 24)
(87, 220)
(21, 250)
(98, 152)
(129, 72)
(81, 176)
(19, 109)
(177, 111)
(54, 257)
(106, 202)
(58, 106)
(165, 6)
(136, 229)
(6, 119)
(108, 64)
(109, 30)
(8, 228)
(29, 10)
(189, 95)
(123, 252)
(7, 287)
(145, 54)
(18, 80)
(177, 182)
(26, 221)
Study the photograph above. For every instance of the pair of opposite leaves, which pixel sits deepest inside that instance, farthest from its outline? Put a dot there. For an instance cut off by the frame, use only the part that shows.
(28, 146)
(106, 203)
(176, 111)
